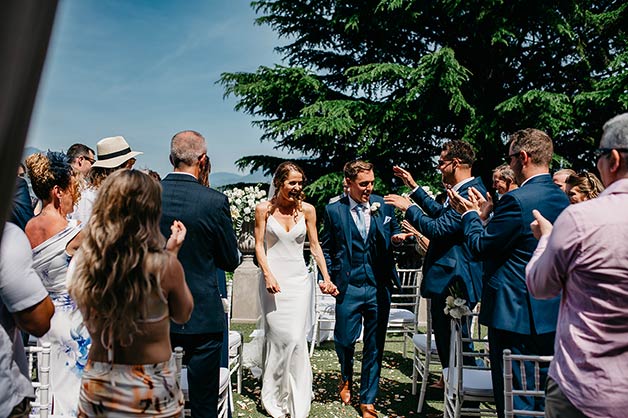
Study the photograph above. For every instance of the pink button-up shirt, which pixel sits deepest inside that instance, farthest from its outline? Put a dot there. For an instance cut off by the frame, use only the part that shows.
(586, 257)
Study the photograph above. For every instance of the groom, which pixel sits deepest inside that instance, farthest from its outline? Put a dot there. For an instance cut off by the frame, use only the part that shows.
(357, 234)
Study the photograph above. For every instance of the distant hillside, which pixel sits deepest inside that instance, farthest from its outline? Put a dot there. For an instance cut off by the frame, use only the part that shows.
(223, 179)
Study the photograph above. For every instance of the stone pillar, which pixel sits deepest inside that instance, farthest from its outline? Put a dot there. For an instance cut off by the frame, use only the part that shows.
(245, 307)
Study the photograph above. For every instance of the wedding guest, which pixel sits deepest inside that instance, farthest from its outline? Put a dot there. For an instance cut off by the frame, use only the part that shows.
(560, 177)
(82, 158)
(448, 263)
(22, 209)
(210, 245)
(583, 258)
(583, 186)
(128, 287)
(358, 231)
(54, 241)
(24, 305)
(114, 153)
(515, 320)
(281, 227)
(503, 180)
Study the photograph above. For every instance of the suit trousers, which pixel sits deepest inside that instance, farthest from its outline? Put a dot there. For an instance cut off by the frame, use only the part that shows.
(202, 356)
(371, 305)
(556, 403)
(536, 344)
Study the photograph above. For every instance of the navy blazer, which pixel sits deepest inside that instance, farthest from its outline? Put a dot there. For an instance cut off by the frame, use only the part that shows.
(506, 245)
(22, 210)
(336, 242)
(448, 256)
(210, 243)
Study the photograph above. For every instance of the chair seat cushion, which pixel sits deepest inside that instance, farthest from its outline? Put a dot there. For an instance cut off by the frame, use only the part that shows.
(235, 340)
(420, 342)
(475, 382)
(401, 316)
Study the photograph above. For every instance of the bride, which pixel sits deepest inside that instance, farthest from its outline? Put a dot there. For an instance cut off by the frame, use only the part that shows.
(281, 225)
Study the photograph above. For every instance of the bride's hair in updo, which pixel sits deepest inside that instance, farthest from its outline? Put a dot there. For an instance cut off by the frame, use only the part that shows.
(281, 175)
(50, 170)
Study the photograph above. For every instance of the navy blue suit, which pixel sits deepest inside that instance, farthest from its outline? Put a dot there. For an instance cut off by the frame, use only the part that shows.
(22, 210)
(364, 273)
(210, 244)
(515, 319)
(448, 260)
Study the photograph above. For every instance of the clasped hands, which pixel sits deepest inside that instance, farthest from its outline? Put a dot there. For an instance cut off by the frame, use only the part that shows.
(476, 201)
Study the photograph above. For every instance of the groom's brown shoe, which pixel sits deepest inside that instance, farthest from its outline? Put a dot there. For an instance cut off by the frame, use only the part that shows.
(344, 389)
(368, 410)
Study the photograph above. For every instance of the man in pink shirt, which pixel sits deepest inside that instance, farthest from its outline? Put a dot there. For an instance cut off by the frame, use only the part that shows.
(585, 256)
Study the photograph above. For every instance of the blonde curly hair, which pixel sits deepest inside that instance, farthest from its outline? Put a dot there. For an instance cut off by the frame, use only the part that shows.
(50, 170)
(118, 266)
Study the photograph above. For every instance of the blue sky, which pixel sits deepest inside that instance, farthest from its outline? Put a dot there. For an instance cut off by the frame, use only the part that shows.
(146, 70)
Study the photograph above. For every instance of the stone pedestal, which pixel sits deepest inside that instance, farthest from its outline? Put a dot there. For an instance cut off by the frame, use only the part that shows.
(245, 301)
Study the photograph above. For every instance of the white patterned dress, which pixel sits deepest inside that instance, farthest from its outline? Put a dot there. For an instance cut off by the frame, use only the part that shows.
(287, 374)
(68, 336)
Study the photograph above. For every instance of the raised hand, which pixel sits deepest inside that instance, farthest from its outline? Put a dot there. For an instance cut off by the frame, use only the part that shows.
(400, 202)
(486, 203)
(405, 176)
(540, 226)
(177, 236)
(459, 203)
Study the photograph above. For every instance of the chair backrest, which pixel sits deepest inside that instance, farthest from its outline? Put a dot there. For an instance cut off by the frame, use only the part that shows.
(468, 380)
(409, 295)
(527, 364)
(41, 382)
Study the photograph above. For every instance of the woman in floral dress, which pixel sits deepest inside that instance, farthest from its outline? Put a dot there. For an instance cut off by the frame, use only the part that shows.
(54, 240)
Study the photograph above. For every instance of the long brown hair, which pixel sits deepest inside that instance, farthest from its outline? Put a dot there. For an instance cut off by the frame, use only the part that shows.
(122, 255)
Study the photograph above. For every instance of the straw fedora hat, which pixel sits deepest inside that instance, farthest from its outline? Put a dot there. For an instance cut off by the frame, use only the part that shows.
(113, 151)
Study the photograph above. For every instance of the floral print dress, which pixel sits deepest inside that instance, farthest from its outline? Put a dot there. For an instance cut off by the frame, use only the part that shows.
(68, 336)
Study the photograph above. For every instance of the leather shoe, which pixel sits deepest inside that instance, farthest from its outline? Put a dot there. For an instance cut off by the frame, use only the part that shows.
(368, 410)
(344, 389)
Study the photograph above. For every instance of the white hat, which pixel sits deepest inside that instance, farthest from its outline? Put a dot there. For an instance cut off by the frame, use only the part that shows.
(113, 152)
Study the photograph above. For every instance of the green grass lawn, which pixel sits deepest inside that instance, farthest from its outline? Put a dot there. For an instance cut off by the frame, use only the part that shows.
(395, 394)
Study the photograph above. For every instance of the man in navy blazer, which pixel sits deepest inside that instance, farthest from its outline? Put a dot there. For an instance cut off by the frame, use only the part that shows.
(357, 234)
(210, 244)
(514, 318)
(449, 267)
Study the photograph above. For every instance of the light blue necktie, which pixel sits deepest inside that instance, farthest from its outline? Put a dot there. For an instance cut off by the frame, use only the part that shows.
(361, 223)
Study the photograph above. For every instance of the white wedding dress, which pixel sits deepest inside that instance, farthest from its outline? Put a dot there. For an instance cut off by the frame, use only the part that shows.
(287, 374)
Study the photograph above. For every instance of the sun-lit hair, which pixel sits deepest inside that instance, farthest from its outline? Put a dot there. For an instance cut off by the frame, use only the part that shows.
(353, 168)
(505, 173)
(536, 143)
(186, 147)
(97, 175)
(281, 175)
(461, 150)
(588, 184)
(118, 265)
(50, 170)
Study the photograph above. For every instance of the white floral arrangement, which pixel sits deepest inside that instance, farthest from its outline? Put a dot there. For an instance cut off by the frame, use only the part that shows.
(456, 307)
(242, 204)
(375, 208)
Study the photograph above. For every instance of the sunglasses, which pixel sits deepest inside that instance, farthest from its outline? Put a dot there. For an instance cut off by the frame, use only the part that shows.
(509, 157)
(443, 163)
(91, 160)
(604, 151)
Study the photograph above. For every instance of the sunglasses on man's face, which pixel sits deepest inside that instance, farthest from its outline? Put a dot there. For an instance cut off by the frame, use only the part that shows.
(605, 151)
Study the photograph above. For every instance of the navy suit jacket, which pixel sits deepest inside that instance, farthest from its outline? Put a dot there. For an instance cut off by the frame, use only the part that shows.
(448, 256)
(336, 243)
(506, 245)
(210, 243)
(22, 210)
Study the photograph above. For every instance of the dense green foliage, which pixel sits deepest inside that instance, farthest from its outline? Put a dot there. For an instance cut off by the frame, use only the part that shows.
(389, 80)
